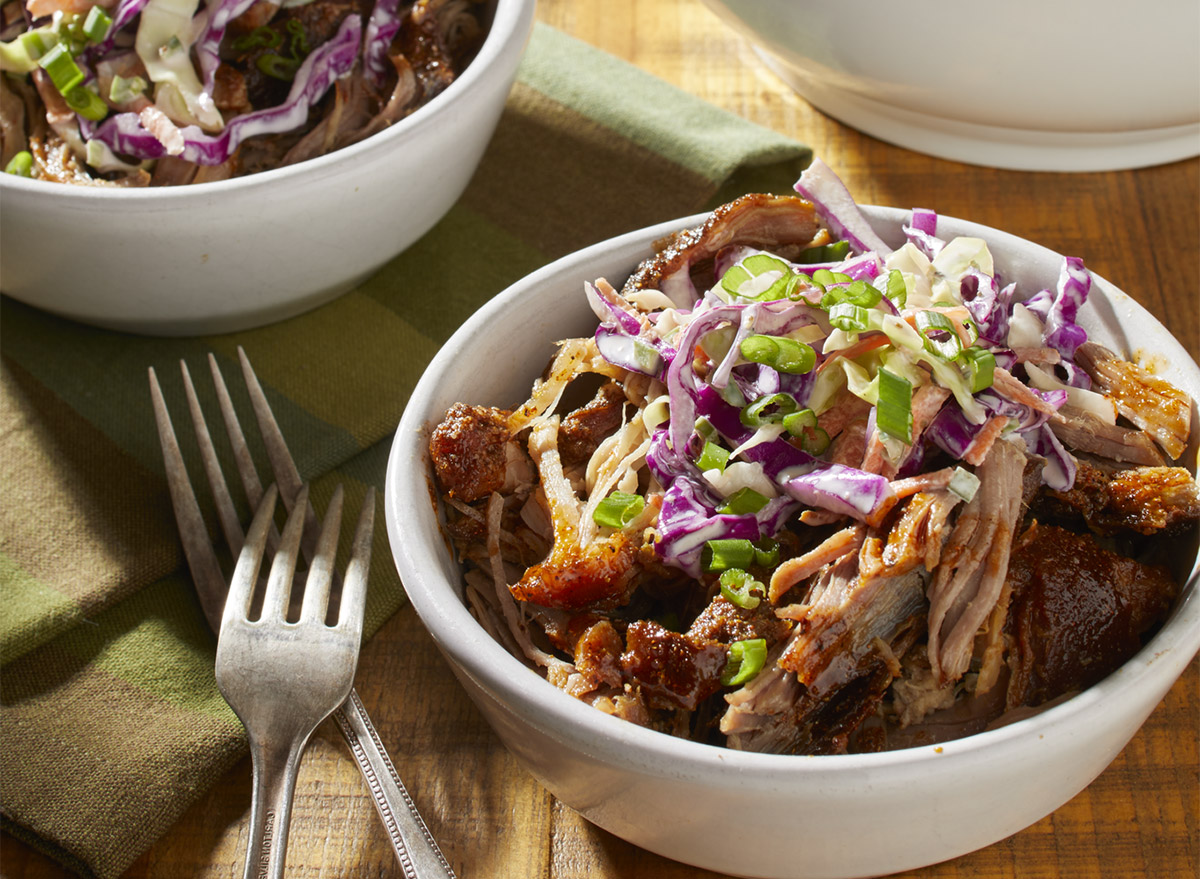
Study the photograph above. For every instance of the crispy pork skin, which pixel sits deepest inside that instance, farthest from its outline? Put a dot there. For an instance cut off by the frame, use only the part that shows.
(1077, 612)
(468, 451)
(672, 670)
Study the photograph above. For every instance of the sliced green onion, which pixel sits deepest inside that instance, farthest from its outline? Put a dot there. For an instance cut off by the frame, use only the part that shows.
(780, 353)
(760, 276)
(964, 483)
(849, 318)
(941, 340)
(806, 280)
(123, 90)
(618, 509)
(893, 412)
(896, 289)
(856, 292)
(766, 552)
(740, 588)
(803, 425)
(769, 409)
(746, 659)
(21, 164)
(277, 66)
(62, 69)
(980, 365)
(815, 440)
(729, 552)
(795, 422)
(743, 501)
(262, 36)
(86, 103)
(704, 428)
(96, 25)
(299, 37)
(712, 457)
(825, 278)
(835, 251)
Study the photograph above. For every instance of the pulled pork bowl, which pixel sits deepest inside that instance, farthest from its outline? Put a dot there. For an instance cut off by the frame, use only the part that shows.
(262, 158)
(900, 543)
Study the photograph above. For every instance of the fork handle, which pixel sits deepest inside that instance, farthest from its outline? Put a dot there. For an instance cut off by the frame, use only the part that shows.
(274, 784)
(416, 849)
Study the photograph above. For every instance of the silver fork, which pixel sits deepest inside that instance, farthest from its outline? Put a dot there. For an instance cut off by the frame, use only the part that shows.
(283, 678)
(416, 850)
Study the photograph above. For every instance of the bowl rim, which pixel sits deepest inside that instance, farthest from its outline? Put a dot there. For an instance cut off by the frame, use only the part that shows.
(506, 36)
(657, 754)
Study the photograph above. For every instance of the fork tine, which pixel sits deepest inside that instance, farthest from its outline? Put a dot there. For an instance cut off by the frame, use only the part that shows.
(283, 569)
(197, 547)
(226, 513)
(245, 573)
(287, 476)
(320, 572)
(354, 585)
(237, 439)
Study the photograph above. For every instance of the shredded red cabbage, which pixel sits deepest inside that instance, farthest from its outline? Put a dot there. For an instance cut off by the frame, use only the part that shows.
(125, 134)
(837, 208)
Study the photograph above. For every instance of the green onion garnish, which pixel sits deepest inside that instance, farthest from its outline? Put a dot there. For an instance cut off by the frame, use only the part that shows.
(760, 276)
(618, 509)
(795, 422)
(86, 103)
(849, 318)
(893, 412)
(769, 409)
(740, 588)
(299, 37)
(96, 25)
(835, 251)
(62, 69)
(980, 365)
(712, 457)
(780, 353)
(261, 36)
(725, 553)
(123, 90)
(743, 501)
(21, 164)
(803, 425)
(825, 278)
(277, 66)
(814, 440)
(856, 292)
(940, 338)
(704, 428)
(746, 659)
(766, 552)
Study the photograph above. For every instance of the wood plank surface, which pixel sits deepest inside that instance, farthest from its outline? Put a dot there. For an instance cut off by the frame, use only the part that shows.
(1140, 229)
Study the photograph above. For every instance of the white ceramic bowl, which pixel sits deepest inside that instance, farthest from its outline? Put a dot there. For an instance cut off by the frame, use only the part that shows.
(225, 256)
(1073, 85)
(794, 816)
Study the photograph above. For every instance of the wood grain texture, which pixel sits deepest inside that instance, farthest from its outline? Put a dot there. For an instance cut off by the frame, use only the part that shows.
(1141, 817)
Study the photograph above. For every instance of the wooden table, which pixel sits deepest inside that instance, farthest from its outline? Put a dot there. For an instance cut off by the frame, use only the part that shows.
(1139, 229)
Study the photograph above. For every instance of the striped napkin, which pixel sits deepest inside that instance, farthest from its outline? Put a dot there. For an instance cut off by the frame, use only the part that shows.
(112, 720)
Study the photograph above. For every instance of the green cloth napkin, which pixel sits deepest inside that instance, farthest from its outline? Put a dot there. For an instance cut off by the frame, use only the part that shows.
(112, 721)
